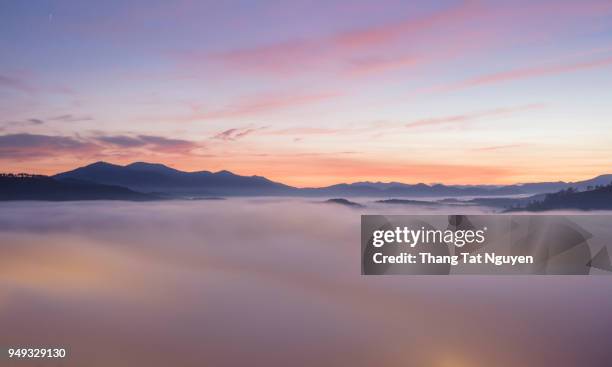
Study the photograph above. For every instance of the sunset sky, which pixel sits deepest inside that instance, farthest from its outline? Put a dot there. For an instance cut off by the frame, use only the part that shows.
(311, 93)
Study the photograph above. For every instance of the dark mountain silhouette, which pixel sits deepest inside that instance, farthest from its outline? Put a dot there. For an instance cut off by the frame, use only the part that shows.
(602, 180)
(148, 177)
(547, 187)
(598, 198)
(416, 190)
(31, 187)
(103, 180)
(390, 189)
(400, 189)
(148, 167)
(153, 177)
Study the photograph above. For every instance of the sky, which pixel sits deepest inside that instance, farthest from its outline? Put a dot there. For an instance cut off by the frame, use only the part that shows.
(311, 93)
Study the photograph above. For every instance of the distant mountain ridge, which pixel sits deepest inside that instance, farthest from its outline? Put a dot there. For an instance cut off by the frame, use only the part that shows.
(402, 190)
(152, 181)
(155, 177)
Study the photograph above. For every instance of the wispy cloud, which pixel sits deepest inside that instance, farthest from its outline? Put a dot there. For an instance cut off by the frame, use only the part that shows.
(523, 73)
(70, 118)
(434, 37)
(498, 147)
(22, 82)
(261, 104)
(469, 117)
(235, 133)
(28, 122)
(371, 36)
(299, 55)
(19, 146)
(378, 64)
(168, 145)
(307, 131)
(13, 83)
(152, 142)
(16, 146)
(40, 121)
(122, 141)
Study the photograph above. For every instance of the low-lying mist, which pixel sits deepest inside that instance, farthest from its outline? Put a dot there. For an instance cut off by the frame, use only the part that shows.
(269, 282)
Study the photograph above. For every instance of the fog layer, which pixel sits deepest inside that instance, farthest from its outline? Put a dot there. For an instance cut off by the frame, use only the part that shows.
(268, 282)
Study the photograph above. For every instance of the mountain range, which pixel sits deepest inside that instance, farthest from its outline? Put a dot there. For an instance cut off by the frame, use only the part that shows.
(158, 178)
(154, 177)
(150, 181)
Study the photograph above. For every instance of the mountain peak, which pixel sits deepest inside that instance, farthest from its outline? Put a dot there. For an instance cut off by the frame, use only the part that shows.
(101, 164)
(225, 173)
(154, 167)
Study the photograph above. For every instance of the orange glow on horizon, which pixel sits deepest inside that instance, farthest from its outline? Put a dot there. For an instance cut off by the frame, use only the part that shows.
(324, 171)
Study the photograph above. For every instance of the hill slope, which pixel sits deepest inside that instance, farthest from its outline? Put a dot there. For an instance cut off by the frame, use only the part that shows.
(596, 199)
(27, 187)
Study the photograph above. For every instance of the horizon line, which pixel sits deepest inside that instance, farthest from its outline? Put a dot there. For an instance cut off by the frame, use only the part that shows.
(306, 187)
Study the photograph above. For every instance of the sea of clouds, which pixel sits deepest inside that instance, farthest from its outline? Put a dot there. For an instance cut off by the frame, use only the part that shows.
(269, 282)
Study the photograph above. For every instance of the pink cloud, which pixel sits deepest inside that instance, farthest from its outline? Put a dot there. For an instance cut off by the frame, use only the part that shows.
(438, 36)
(127, 144)
(263, 103)
(168, 145)
(35, 146)
(373, 36)
(13, 83)
(302, 54)
(498, 147)
(469, 117)
(282, 57)
(306, 131)
(523, 73)
(374, 65)
(28, 146)
(235, 133)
